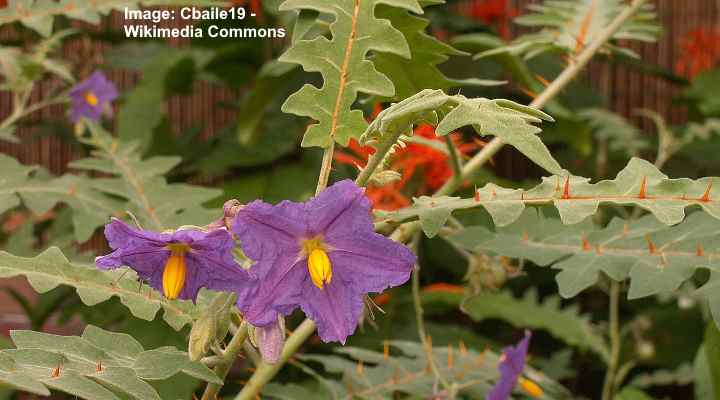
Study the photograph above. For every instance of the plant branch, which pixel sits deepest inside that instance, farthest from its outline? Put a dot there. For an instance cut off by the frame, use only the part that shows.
(420, 320)
(266, 371)
(455, 161)
(325, 168)
(562, 80)
(615, 341)
(228, 359)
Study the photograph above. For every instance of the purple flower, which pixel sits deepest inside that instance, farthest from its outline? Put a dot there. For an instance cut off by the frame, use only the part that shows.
(512, 363)
(322, 255)
(179, 263)
(92, 97)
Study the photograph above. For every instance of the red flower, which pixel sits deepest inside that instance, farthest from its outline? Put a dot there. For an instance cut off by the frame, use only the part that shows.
(699, 51)
(411, 161)
(491, 12)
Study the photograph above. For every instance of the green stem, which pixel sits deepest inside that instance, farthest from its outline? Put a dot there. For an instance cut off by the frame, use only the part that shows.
(562, 80)
(420, 320)
(455, 161)
(265, 371)
(615, 341)
(325, 168)
(228, 359)
(376, 159)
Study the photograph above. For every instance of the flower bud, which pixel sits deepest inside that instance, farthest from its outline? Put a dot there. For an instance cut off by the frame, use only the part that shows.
(645, 350)
(270, 340)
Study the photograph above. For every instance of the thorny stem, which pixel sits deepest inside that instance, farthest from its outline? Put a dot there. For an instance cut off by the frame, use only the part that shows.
(420, 320)
(376, 159)
(228, 359)
(615, 341)
(565, 77)
(265, 371)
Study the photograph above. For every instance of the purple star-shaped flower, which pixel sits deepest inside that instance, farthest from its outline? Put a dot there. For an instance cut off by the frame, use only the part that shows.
(322, 255)
(179, 263)
(92, 97)
(511, 367)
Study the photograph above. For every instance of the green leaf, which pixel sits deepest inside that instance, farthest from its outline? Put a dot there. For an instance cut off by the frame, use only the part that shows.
(639, 184)
(570, 26)
(97, 365)
(656, 258)
(566, 324)
(157, 204)
(410, 76)
(342, 62)
(51, 269)
(621, 135)
(681, 376)
(507, 120)
(143, 107)
(38, 15)
(712, 355)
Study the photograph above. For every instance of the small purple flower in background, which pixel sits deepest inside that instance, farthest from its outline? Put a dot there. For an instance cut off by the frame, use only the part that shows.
(179, 263)
(512, 364)
(92, 97)
(322, 255)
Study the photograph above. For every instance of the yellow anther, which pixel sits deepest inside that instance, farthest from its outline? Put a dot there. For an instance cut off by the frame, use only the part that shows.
(91, 99)
(175, 271)
(319, 267)
(531, 388)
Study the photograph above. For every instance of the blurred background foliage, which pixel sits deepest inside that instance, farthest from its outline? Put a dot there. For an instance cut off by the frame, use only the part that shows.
(235, 138)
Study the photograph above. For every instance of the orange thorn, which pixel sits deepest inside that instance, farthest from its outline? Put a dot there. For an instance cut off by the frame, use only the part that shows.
(450, 358)
(643, 188)
(566, 188)
(462, 348)
(706, 197)
(477, 196)
(55, 372)
(359, 369)
(585, 244)
(542, 80)
(529, 93)
(626, 229)
(493, 194)
(386, 350)
(522, 196)
(557, 184)
(699, 251)
(99, 366)
(525, 236)
(651, 246)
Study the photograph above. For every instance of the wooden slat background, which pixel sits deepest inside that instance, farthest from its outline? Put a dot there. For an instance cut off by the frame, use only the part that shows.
(630, 90)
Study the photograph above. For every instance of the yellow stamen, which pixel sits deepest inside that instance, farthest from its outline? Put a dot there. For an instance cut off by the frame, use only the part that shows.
(91, 99)
(175, 271)
(531, 388)
(319, 267)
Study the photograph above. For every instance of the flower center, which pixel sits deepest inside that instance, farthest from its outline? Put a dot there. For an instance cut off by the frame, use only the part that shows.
(91, 99)
(175, 270)
(318, 262)
(530, 388)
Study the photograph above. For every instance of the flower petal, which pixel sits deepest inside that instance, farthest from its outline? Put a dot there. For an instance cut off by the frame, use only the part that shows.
(336, 309)
(371, 261)
(511, 367)
(120, 234)
(342, 209)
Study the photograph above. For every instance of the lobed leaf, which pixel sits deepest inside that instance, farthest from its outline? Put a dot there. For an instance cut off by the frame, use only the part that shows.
(97, 365)
(564, 323)
(504, 119)
(655, 257)
(569, 26)
(342, 61)
(51, 269)
(39, 15)
(638, 184)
